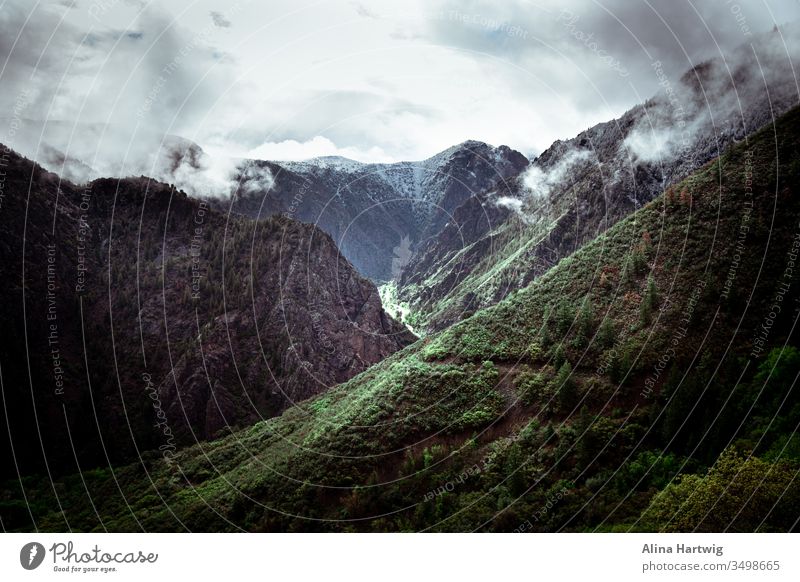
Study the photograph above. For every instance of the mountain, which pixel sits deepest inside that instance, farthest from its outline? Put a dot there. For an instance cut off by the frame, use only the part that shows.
(645, 382)
(504, 238)
(370, 209)
(143, 318)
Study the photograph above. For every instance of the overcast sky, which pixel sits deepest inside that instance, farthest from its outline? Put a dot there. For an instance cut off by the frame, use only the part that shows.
(373, 81)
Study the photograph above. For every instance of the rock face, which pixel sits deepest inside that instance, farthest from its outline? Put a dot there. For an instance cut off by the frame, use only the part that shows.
(377, 214)
(373, 210)
(142, 318)
(312, 322)
(504, 238)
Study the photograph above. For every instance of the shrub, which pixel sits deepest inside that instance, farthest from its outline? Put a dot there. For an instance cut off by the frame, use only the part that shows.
(564, 387)
(649, 301)
(559, 356)
(533, 387)
(606, 334)
(585, 325)
(738, 494)
(565, 315)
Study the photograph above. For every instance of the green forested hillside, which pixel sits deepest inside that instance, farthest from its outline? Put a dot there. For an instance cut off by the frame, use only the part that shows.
(645, 383)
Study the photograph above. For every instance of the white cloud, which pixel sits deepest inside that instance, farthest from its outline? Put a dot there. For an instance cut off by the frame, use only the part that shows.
(302, 78)
(290, 150)
(651, 145)
(514, 204)
(539, 181)
(217, 177)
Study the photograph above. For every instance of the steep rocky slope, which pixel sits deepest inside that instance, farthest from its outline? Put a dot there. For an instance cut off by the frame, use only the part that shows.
(374, 210)
(645, 382)
(140, 318)
(376, 213)
(505, 238)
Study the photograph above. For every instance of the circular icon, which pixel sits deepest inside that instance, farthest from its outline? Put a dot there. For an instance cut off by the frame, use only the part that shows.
(31, 555)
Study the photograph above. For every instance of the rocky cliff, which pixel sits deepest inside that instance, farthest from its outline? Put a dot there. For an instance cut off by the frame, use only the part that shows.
(507, 236)
(138, 317)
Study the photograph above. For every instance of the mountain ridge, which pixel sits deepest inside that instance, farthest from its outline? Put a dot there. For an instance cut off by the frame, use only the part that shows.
(374, 207)
(577, 188)
(230, 320)
(557, 394)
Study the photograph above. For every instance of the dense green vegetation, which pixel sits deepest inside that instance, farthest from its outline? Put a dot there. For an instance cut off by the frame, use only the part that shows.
(641, 384)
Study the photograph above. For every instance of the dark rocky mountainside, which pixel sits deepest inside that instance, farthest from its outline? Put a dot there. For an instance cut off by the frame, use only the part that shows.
(505, 238)
(377, 214)
(136, 318)
(373, 210)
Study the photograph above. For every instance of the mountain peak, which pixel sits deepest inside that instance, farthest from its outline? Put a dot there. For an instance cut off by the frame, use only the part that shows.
(339, 163)
(497, 154)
